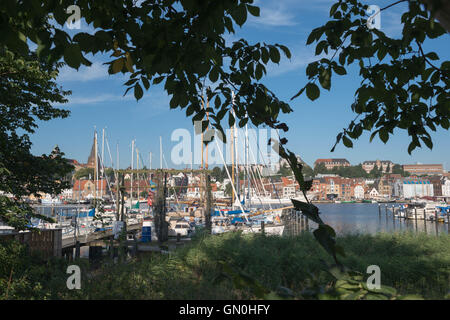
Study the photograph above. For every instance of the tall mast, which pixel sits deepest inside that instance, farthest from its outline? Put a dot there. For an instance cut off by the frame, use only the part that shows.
(236, 144)
(137, 168)
(207, 118)
(102, 163)
(201, 143)
(232, 153)
(247, 161)
(95, 162)
(132, 163)
(117, 155)
(150, 160)
(160, 152)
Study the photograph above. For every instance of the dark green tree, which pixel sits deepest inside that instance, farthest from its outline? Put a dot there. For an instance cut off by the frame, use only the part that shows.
(84, 173)
(27, 92)
(228, 190)
(285, 171)
(320, 168)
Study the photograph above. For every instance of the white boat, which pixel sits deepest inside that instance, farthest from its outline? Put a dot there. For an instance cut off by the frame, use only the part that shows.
(269, 230)
(50, 200)
(181, 227)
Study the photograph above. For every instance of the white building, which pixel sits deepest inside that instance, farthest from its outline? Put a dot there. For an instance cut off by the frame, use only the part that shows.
(219, 194)
(359, 192)
(288, 192)
(446, 188)
(417, 188)
(374, 193)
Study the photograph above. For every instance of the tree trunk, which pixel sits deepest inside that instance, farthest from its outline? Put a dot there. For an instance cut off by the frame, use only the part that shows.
(208, 203)
(161, 225)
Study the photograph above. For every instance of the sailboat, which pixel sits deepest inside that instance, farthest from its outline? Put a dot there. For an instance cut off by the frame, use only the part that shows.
(240, 216)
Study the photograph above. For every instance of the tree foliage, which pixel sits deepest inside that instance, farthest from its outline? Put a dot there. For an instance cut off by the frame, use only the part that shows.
(402, 87)
(27, 92)
(176, 42)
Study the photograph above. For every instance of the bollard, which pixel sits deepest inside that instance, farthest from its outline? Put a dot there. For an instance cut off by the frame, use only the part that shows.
(262, 228)
(178, 237)
(448, 221)
(425, 220)
(393, 217)
(436, 221)
(77, 250)
(415, 217)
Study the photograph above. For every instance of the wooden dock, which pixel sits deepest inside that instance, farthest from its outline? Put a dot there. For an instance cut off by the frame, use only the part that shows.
(85, 239)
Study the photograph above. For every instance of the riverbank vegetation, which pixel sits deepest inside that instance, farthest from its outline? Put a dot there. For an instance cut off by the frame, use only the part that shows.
(236, 266)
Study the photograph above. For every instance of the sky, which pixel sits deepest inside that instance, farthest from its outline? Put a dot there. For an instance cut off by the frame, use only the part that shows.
(97, 100)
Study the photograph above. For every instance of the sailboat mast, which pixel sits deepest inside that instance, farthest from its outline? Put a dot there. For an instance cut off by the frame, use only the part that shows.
(247, 161)
(232, 153)
(95, 164)
(102, 163)
(160, 153)
(236, 146)
(137, 168)
(207, 118)
(132, 163)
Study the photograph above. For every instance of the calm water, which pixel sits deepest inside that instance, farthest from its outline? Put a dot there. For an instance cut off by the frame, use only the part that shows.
(348, 218)
(365, 218)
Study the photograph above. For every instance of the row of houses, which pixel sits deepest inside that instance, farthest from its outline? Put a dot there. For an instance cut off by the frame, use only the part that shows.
(390, 186)
(386, 166)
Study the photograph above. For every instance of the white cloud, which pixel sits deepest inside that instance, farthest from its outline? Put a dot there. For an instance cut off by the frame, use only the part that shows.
(274, 14)
(96, 71)
(301, 57)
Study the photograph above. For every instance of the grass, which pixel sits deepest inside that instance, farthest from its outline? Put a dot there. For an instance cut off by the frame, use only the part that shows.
(411, 263)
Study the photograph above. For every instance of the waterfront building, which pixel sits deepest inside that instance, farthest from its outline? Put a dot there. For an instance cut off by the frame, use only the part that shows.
(413, 188)
(84, 189)
(373, 193)
(319, 187)
(446, 187)
(358, 191)
(424, 169)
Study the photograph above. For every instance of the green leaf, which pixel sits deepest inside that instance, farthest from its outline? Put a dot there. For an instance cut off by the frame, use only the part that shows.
(309, 210)
(432, 56)
(138, 92)
(312, 91)
(72, 56)
(240, 14)
(274, 54)
(339, 70)
(347, 142)
(117, 65)
(254, 11)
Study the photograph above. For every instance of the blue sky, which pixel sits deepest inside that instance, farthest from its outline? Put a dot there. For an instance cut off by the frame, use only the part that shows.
(97, 99)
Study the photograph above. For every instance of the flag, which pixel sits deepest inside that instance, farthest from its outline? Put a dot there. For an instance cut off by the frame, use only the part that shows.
(136, 206)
